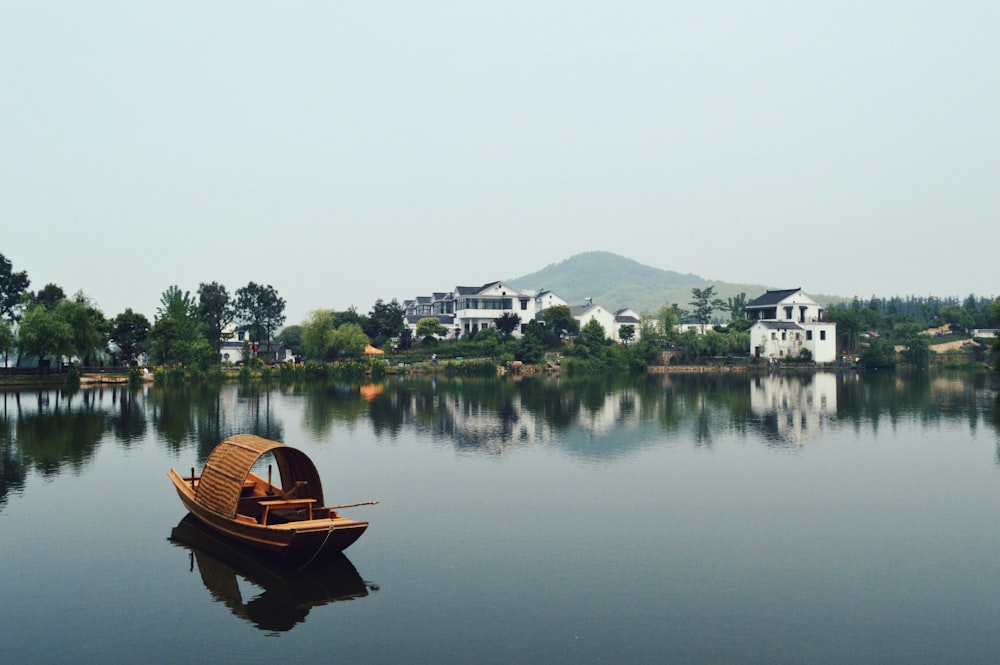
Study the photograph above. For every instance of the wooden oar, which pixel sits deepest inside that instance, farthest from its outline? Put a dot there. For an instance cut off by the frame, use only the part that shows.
(352, 505)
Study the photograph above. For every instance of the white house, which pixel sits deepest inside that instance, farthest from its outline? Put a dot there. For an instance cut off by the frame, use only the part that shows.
(584, 314)
(787, 322)
(468, 309)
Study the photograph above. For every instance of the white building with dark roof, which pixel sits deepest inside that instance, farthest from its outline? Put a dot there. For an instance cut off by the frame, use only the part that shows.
(787, 321)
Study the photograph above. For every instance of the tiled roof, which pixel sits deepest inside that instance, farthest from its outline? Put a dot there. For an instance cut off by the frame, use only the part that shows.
(780, 325)
(772, 298)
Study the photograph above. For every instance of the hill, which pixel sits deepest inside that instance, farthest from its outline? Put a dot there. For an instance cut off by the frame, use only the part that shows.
(615, 282)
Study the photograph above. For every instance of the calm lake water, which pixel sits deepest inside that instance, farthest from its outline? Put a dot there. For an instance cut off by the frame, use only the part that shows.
(830, 518)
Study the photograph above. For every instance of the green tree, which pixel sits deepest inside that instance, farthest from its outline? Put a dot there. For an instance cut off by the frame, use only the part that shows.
(176, 338)
(705, 304)
(291, 336)
(176, 304)
(43, 333)
(6, 339)
(429, 329)
(262, 310)
(669, 320)
(215, 312)
(12, 287)
(50, 296)
(90, 328)
(130, 331)
(736, 306)
(489, 341)
(593, 335)
(560, 320)
(507, 323)
(530, 349)
(317, 334)
(848, 320)
(350, 340)
(626, 334)
(385, 320)
(879, 353)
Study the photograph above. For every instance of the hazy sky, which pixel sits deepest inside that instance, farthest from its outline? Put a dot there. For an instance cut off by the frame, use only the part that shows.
(350, 150)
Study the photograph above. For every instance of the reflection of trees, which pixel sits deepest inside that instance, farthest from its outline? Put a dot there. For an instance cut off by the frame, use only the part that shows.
(56, 434)
(326, 404)
(128, 420)
(12, 472)
(208, 413)
(935, 397)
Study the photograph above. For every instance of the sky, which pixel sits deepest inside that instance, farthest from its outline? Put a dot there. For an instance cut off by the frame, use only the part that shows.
(346, 151)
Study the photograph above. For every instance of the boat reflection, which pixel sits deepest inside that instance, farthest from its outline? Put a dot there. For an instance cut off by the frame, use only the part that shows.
(287, 592)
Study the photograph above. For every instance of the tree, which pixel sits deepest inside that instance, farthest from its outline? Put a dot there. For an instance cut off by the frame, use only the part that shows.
(669, 319)
(323, 340)
(736, 306)
(12, 287)
(705, 303)
(291, 336)
(530, 349)
(593, 335)
(130, 331)
(560, 320)
(507, 323)
(429, 329)
(879, 354)
(90, 328)
(215, 312)
(385, 320)
(350, 340)
(848, 320)
(261, 309)
(489, 341)
(50, 295)
(6, 339)
(317, 334)
(176, 304)
(43, 333)
(626, 334)
(175, 337)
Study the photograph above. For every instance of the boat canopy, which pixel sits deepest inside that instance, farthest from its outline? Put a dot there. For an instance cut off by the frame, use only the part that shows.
(229, 465)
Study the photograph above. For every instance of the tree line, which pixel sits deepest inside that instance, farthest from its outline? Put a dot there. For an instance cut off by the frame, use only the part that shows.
(188, 329)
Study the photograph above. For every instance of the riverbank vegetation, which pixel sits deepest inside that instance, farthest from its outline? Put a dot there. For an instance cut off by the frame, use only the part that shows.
(56, 332)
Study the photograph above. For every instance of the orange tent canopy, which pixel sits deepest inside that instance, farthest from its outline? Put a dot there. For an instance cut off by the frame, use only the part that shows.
(372, 351)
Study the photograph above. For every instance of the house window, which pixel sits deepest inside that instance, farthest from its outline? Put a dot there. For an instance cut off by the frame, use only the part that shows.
(798, 336)
(774, 335)
(822, 335)
(524, 304)
(784, 335)
(809, 335)
(788, 312)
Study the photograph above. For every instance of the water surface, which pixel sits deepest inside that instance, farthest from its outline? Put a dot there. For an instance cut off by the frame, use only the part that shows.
(696, 519)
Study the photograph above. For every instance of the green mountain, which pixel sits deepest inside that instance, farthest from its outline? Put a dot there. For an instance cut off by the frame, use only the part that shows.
(614, 282)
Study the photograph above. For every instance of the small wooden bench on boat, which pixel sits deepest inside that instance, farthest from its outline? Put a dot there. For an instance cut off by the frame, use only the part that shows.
(229, 498)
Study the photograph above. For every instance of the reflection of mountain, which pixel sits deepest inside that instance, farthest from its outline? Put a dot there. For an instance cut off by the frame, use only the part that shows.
(793, 409)
(288, 593)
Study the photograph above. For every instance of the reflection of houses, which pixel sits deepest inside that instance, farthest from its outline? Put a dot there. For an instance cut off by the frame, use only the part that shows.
(793, 409)
(468, 309)
(788, 322)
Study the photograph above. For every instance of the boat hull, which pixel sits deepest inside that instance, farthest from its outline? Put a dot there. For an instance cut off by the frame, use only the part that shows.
(297, 540)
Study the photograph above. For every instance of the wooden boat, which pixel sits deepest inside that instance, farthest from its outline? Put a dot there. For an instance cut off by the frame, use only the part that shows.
(289, 520)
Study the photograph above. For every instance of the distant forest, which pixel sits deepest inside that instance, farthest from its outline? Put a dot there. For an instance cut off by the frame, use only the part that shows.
(931, 311)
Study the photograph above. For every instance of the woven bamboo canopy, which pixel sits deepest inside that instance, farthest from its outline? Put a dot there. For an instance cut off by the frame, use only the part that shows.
(230, 463)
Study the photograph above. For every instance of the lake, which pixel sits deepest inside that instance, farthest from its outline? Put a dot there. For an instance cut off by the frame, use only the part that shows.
(815, 518)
